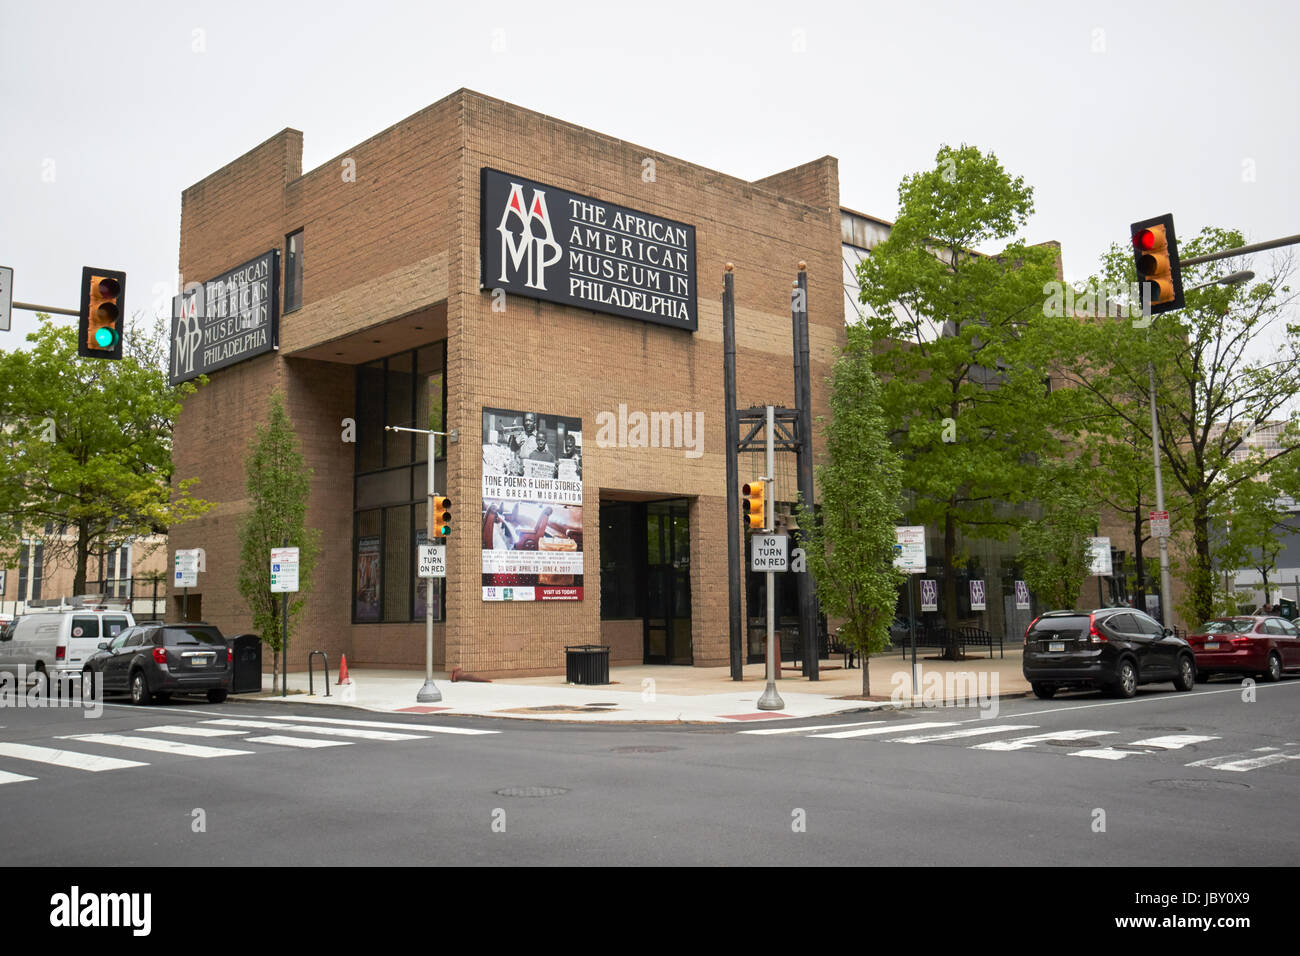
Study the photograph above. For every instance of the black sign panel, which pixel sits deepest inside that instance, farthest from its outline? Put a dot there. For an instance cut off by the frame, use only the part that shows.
(229, 319)
(547, 243)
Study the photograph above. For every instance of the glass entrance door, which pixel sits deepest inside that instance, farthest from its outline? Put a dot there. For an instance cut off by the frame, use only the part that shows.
(668, 583)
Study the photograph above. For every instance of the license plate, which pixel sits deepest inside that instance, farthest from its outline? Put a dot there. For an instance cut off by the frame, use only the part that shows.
(200, 661)
(1053, 646)
(1211, 645)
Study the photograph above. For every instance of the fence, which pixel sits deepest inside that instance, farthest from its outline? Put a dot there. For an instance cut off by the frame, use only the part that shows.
(145, 597)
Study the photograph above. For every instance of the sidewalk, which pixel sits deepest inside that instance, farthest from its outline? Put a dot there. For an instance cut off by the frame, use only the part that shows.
(666, 694)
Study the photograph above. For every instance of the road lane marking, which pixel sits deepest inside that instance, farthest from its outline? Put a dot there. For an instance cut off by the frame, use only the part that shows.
(804, 730)
(966, 732)
(308, 729)
(157, 745)
(6, 777)
(298, 741)
(1173, 741)
(427, 728)
(1023, 743)
(188, 731)
(1108, 753)
(1242, 762)
(66, 758)
(925, 725)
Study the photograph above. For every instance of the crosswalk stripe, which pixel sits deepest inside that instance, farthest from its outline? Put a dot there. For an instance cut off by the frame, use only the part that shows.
(308, 729)
(1173, 741)
(6, 777)
(1243, 762)
(955, 734)
(925, 725)
(188, 731)
(804, 730)
(157, 745)
(298, 741)
(1108, 753)
(427, 728)
(66, 758)
(1022, 743)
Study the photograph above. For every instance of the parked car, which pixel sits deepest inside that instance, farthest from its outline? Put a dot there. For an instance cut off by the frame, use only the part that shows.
(59, 639)
(157, 660)
(1261, 644)
(1114, 649)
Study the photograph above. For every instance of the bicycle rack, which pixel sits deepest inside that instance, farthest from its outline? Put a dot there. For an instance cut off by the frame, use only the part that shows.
(311, 677)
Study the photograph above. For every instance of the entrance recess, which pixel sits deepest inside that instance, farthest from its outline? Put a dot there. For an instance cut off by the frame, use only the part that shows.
(668, 583)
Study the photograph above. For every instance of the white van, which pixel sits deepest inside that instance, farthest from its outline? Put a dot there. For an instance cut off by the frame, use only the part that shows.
(56, 639)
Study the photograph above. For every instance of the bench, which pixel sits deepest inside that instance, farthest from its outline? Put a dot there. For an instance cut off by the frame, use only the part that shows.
(943, 637)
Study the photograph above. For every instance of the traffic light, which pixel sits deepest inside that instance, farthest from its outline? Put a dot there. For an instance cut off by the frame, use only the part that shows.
(103, 313)
(441, 516)
(1155, 250)
(751, 505)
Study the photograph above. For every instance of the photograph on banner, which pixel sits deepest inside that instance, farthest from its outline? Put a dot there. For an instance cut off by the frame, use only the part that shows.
(367, 578)
(977, 595)
(532, 506)
(1022, 596)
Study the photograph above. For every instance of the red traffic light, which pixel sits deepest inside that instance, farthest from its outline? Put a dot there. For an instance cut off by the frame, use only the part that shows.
(1155, 255)
(1146, 239)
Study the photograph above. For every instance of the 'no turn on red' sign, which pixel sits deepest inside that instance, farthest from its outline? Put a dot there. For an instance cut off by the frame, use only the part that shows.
(770, 553)
(433, 561)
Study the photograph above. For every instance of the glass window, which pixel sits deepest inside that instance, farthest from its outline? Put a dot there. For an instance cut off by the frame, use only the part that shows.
(135, 639)
(370, 417)
(367, 550)
(193, 635)
(293, 271)
(399, 564)
(85, 626)
(23, 566)
(113, 624)
(38, 554)
(400, 409)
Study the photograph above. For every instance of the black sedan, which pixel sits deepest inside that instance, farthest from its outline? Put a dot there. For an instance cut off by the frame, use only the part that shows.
(157, 660)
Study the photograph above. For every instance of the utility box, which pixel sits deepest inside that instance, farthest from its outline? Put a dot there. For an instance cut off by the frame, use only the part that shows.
(247, 652)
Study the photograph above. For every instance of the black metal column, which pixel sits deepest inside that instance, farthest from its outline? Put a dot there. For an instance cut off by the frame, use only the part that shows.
(808, 610)
(733, 472)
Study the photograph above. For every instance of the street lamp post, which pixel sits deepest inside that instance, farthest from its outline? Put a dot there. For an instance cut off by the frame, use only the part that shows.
(429, 693)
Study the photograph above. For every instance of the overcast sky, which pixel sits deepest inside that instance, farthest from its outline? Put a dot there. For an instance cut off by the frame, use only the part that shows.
(1112, 111)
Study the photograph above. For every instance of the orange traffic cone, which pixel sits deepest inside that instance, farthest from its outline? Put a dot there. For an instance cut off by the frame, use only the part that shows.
(343, 671)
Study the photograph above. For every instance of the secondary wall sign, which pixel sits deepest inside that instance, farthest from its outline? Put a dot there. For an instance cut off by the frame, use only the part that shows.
(547, 243)
(284, 570)
(229, 319)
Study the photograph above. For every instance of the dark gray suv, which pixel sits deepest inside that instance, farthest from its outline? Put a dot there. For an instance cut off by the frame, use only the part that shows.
(1114, 648)
(157, 660)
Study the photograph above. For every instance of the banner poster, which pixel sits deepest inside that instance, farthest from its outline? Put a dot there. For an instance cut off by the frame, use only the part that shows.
(1022, 596)
(532, 506)
(368, 578)
(977, 595)
(929, 595)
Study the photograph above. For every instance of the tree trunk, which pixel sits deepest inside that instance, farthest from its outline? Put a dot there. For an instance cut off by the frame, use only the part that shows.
(866, 678)
(83, 558)
(1141, 587)
(953, 651)
(1202, 580)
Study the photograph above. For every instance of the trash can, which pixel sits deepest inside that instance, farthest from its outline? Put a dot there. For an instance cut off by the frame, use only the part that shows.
(587, 664)
(247, 652)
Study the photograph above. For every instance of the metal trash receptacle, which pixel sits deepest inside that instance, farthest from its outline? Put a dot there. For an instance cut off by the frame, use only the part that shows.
(247, 652)
(587, 664)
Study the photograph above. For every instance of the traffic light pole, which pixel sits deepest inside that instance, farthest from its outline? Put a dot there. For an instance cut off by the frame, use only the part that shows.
(429, 693)
(771, 700)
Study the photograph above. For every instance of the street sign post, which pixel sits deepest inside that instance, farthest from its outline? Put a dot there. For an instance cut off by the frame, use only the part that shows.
(186, 575)
(909, 556)
(1159, 524)
(284, 570)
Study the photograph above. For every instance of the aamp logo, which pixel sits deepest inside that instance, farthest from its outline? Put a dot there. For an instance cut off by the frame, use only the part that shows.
(188, 336)
(535, 247)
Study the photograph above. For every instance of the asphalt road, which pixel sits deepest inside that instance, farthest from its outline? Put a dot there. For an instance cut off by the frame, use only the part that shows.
(1165, 779)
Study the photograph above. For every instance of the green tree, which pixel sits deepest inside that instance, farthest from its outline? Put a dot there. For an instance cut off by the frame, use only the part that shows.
(1250, 524)
(850, 544)
(1054, 547)
(960, 351)
(1225, 365)
(279, 484)
(89, 448)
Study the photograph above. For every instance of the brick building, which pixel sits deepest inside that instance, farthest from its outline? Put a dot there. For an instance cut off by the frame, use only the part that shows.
(569, 526)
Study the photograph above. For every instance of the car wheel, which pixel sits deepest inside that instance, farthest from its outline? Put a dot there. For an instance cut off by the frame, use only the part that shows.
(216, 696)
(1186, 678)
(1126, 679)
(1045, 691)
(140, 689)
(1274, 672)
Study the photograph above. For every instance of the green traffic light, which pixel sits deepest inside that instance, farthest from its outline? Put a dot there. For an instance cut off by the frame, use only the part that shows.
(104, 338)
(444, 531)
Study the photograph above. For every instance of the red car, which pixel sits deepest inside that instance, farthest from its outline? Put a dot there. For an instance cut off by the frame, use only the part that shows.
(1262, 644)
